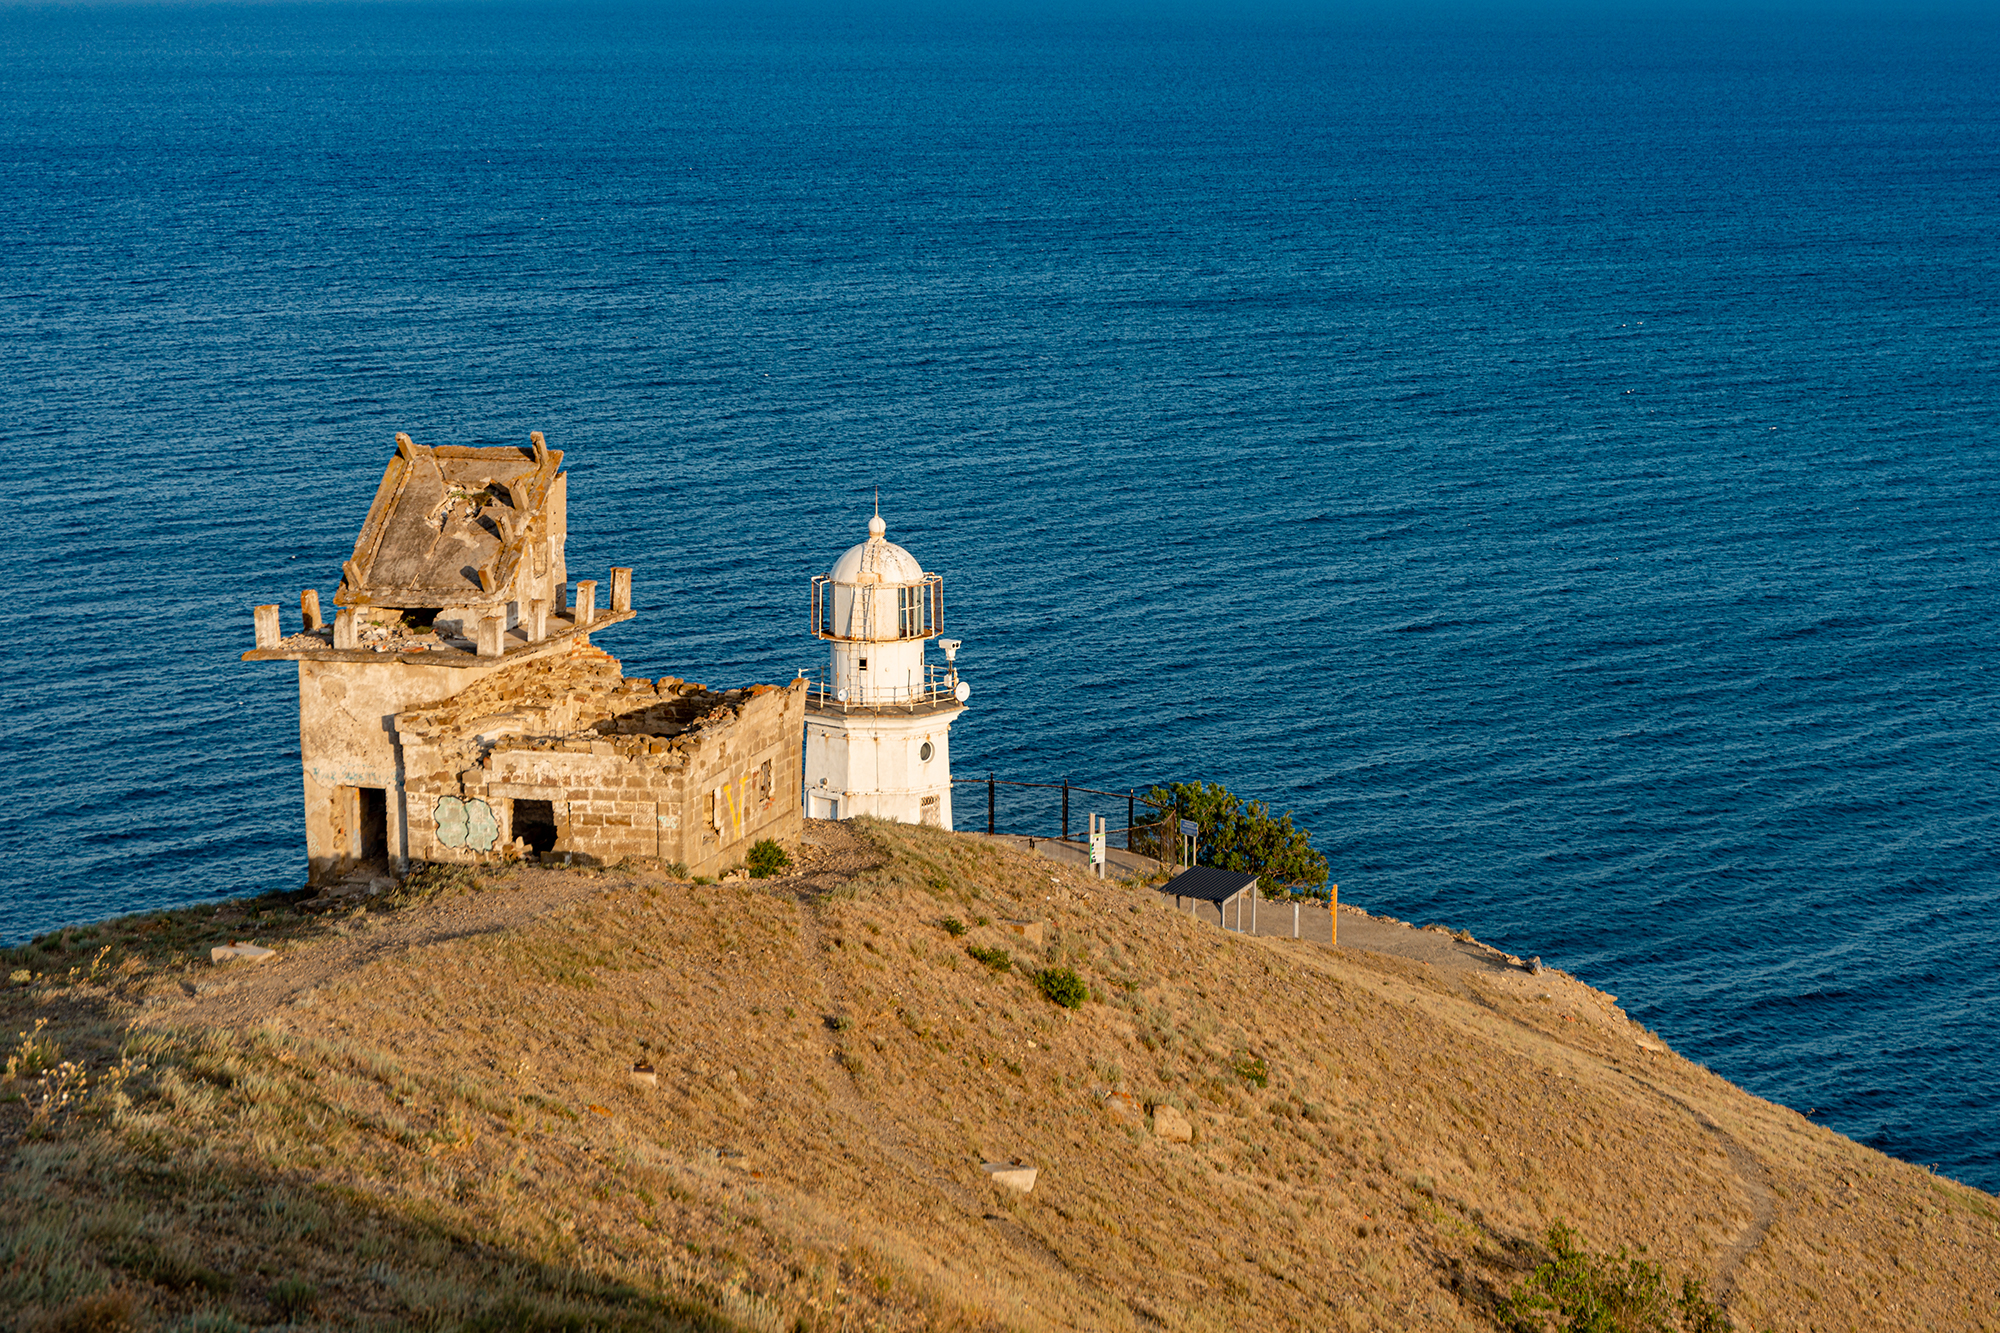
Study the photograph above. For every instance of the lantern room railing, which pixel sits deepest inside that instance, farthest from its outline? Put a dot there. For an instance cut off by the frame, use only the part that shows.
(938, 688)
(918, 613)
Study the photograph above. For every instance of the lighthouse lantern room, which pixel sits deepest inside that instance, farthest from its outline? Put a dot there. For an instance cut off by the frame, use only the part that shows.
(878, 722)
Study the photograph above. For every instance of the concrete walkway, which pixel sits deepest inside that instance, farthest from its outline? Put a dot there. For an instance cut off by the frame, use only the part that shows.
(1358, 929)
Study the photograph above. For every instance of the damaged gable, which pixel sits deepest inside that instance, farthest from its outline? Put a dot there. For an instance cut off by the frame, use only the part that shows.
(460, 530)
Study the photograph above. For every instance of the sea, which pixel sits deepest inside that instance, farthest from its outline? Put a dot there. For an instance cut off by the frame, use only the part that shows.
(1551, 451)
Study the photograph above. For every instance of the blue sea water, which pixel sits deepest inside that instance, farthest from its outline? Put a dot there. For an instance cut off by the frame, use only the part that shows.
(1554, 455)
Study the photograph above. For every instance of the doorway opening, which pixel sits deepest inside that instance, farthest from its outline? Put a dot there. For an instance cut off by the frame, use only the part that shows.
(372, 823)
(535, 824)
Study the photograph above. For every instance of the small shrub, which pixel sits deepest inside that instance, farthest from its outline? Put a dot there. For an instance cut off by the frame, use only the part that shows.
(103, 1312)
(838, 1022)
(293, 1296)
(35, 1054)
(1580, 1292)
(766, 859)
(431, 879)
(1252, 1069)
(953, 926)
(1062, 986)
(996, 959)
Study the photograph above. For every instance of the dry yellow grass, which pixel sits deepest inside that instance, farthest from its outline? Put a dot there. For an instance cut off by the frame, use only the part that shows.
(426, 1117)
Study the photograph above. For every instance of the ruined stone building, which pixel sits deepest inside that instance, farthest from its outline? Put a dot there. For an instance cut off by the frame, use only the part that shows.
(455, 709)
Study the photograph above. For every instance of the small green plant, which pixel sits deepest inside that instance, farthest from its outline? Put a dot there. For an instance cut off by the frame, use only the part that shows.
(839, 1022)
(953, 926)
(1575, 1291)
(767, 858)
(1252, 1069)
(1062, 986)
(294, 1296)
(996, 959)
(982, 921)
(432, 879)
(35, 1054)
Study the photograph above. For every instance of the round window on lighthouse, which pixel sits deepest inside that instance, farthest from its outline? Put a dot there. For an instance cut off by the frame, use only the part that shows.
(926, 753)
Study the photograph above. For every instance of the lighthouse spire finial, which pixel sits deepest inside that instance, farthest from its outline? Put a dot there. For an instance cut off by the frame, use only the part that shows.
(875, 525)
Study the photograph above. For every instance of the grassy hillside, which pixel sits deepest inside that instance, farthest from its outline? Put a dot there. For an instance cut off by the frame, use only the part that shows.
(424, 1115)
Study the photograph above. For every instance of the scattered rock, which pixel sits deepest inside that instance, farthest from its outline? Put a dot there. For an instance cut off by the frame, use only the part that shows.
(1031, 931)
(1172, 1125)
(1015, 1175)
(1125, 1108)
(237, 949)
(645, 1075)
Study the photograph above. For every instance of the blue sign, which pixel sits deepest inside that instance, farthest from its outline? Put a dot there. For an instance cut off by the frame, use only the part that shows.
(1189, 827)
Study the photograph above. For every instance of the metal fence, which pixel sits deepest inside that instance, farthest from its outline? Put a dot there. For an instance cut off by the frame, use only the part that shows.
(1025, 814)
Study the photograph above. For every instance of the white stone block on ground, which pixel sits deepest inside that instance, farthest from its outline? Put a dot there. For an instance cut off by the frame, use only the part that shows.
(1014, 1176)
(237, 950)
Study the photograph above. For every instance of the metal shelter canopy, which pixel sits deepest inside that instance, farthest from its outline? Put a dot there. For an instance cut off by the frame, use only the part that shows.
(1209, 884)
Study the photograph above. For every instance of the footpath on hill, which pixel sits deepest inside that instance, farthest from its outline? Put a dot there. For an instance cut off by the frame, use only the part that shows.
(609, 1098)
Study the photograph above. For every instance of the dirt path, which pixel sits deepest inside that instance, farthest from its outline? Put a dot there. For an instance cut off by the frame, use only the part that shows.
(1432, 949)
(1753, 1178)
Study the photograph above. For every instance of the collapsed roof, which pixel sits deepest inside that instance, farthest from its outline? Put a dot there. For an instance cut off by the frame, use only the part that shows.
(460, 526)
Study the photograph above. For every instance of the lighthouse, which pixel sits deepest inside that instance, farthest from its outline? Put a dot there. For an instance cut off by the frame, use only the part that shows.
(878, 723)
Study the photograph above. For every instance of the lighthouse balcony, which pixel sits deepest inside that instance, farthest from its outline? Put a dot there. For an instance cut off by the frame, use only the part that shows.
(938, 691)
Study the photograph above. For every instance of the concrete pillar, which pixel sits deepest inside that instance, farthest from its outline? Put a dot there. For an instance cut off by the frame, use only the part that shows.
(346, 628)
(538, 619)
(309, 608)
(492, 636)
(586, 601)
(621, 588)
(268, 633)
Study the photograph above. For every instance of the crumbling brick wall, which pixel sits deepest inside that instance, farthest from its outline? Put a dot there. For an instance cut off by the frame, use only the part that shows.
(629, 767)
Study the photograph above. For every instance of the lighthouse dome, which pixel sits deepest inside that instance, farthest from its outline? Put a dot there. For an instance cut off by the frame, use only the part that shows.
(877, 561)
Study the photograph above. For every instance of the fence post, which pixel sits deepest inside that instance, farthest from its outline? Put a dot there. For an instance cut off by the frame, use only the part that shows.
(1065, 809)
(1131, 811)
(989, 805)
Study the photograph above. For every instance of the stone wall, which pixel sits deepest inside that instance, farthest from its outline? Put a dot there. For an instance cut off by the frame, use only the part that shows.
(628, 767)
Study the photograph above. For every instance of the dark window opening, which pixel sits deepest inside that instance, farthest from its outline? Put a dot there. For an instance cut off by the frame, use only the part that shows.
(420, 617)
(535, 824)
(864, 664)
(373, 833)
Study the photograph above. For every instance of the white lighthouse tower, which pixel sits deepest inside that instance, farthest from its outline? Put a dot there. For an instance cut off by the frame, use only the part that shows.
(878, 724)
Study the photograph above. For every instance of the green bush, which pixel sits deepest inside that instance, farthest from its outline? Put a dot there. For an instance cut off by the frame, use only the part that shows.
(292, 1296)
(1575, 1291)
(996, 959)
(1063, 986)
(953, 926)
(1252, 1069)
(766, 859)
(1235, 835)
